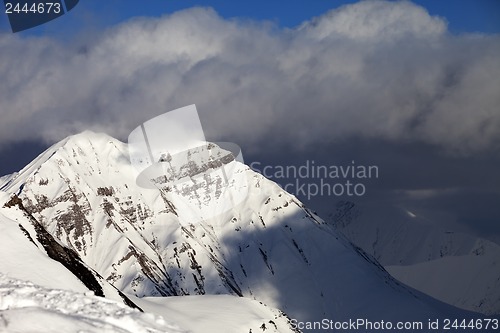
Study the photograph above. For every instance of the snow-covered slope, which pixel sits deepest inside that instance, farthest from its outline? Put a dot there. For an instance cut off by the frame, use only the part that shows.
(22, 259)
(55, 300)
(464, 281)
(454, 267)
(5, 179)
(29, 308)
(269, 247)
(217, 313)
(26, 307)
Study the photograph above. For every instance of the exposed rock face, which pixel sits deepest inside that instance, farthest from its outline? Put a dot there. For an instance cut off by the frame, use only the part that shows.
(268, 247)
(64, 255)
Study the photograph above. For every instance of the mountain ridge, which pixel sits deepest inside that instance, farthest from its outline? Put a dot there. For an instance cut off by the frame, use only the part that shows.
(83, 192)
(455, 267)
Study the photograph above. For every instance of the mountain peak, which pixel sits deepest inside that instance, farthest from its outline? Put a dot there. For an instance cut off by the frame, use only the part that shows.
(89, 135)
(144, 242)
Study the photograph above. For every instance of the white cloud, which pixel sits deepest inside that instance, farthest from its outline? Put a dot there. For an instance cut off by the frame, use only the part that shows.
(377, 21)
(372, 69)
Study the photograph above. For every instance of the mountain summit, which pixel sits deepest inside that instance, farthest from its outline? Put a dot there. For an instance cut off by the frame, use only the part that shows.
(79, 202)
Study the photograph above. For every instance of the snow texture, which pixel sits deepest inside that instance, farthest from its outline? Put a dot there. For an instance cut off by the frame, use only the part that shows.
(29, 308)
(457, 268)
(81, 196)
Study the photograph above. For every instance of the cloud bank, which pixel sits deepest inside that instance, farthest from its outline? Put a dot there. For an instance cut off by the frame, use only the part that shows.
(374, 69)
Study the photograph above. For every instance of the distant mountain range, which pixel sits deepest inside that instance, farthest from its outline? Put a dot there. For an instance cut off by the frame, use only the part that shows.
(75, 220)
(454, 267)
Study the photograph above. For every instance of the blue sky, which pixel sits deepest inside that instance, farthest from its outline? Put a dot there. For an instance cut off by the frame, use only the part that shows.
(391, 87)
(461, 15)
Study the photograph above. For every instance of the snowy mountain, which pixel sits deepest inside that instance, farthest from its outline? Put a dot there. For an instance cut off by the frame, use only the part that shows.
(27, 307)
(454, 267)
(56, 300)
(78, 204)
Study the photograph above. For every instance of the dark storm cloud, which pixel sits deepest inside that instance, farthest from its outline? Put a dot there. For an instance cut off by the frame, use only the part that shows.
(372, 69)
(452, 192)
(379, 82)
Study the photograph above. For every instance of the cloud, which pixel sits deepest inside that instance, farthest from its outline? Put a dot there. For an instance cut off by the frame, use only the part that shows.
(374, 69)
